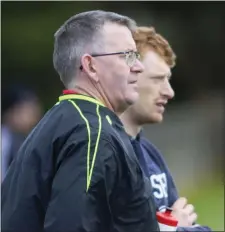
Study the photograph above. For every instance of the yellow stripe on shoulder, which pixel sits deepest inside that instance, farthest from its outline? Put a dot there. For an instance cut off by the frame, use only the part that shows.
(80, 97)
(90, 168)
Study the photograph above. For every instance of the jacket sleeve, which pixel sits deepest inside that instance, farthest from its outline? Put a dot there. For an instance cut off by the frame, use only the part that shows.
(130, 198)
(194, 228)
(25, 194)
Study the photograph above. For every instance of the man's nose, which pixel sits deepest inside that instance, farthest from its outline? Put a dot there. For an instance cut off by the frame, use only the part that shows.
(138, 67)
(168, 91)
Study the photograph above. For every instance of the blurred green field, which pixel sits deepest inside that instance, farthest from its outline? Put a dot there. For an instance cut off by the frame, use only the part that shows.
(209, 205)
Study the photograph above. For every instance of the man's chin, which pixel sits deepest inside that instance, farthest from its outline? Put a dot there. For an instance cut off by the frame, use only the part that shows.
(132, 98)
(156, 118)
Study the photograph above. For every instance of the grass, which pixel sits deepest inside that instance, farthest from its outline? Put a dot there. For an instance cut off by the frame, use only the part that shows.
(209, 205)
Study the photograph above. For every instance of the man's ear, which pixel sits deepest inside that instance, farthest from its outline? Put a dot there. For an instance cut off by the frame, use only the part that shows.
(89, 66)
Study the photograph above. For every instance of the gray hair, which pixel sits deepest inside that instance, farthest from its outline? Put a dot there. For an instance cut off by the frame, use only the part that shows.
(81, 34)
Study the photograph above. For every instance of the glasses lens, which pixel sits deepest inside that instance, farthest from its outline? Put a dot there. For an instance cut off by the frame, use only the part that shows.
(138, 56)
(130, 58)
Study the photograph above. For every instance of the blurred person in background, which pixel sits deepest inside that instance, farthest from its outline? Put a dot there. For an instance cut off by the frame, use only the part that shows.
(21, 110)
(154, 93)
(77, 170)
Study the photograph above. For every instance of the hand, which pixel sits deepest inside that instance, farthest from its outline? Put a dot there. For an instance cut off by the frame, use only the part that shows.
(184, 212)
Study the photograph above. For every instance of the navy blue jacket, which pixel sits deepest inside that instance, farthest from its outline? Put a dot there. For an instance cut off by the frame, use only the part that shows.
(163, 186)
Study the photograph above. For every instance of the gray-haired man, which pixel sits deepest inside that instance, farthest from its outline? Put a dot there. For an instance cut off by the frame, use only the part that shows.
(77, 170)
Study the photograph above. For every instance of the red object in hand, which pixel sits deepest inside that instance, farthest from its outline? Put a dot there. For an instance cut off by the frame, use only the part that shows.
(166, 220)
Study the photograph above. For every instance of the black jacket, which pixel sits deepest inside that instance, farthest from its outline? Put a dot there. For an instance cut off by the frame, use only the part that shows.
(77, 172)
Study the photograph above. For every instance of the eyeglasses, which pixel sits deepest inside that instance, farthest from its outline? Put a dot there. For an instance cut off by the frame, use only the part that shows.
(130, 56)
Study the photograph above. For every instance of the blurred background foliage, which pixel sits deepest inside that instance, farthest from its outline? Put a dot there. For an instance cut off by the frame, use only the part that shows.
(196, 32)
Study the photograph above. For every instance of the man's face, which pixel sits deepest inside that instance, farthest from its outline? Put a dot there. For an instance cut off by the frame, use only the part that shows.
(117, 79)
(25, 116)
(154, 90)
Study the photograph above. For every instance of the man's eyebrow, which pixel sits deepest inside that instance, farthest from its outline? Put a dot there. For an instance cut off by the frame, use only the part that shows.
(163, 76)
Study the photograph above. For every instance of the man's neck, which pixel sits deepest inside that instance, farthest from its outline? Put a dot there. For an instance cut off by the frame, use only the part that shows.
(132, 128)
(90, 90)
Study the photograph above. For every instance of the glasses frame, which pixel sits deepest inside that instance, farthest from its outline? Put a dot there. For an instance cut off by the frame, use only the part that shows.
(126, 53)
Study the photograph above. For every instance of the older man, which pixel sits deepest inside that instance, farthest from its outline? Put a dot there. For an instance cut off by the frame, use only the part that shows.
(77, 170)
(155, 91)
